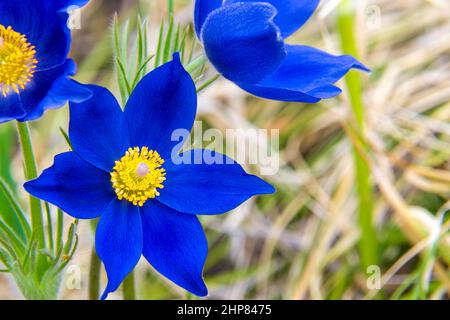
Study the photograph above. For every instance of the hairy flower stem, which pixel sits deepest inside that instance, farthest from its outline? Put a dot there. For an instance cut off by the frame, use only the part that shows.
(30, 169)
(368, 244)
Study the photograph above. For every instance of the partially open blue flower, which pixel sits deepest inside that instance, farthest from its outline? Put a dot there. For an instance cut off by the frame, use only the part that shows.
(122, 170)
(34, 69)
(244, 40)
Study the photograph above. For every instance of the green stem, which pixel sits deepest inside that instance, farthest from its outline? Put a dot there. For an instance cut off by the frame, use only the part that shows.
(94, 276)
(94, 269)
(170, 7)
(129, 290)
(368, 246)
(29, 163)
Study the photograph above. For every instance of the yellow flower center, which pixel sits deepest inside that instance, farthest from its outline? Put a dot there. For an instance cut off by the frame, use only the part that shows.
(17, 60)
(138, 175)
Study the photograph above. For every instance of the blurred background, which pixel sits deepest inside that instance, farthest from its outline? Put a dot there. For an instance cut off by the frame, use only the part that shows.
(364, 178)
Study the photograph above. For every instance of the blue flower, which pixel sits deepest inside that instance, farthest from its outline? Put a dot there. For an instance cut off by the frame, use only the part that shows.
(123, 170)
(244, 40)
(34, 69)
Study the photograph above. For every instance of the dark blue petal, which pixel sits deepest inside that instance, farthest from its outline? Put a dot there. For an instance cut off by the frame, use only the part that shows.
(292, 14)
(42, 22)
(73, 185)
(175, 245)
(51, 89)
(165, 100)
(215, 186)
(10, 107)
(98, 130)
(275, 91)
(202, 9)
(306, 75)
(118, 241)
(242, 42)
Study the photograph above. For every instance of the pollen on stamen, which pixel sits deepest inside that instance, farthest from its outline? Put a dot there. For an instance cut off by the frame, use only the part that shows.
(17, 61)
(138, 175)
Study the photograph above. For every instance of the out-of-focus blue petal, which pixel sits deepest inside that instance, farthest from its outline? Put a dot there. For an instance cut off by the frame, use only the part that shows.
(10, 107)
(118, 242)
(175, 245)
(73, 185)
(292, 14)
(44, 25)
(98, 130)
(242, 42)
(306, 75)
(51, 89)
(202, 9)
(215, 186)
(164, 100)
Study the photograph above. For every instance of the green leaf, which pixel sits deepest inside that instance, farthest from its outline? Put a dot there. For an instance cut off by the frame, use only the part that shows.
(59, 230)
(66, 137)
(23, 228)
(159, 47)
(6, 143)
(9, 235)
(168, 42)
(140, 70)
(70, 238)
(49, 225)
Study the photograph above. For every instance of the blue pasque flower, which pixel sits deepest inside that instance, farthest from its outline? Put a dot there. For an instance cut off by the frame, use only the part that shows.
(121, 169)
(34, 69)
(244, 40)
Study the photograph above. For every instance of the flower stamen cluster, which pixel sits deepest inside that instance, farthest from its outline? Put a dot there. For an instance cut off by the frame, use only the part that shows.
(138, 175)
(17, 60)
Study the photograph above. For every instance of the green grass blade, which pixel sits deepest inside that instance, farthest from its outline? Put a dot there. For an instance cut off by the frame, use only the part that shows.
(368, 245)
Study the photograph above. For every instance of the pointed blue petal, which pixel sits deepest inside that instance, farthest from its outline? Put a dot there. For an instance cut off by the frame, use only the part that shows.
(276, 91)
(52, 89)
(242, 42)
(306, 75)
(165, 100)
(98, 130)
(73, 185)
(202, 9)
(175, 245)
(292, 14)
(215, 186)
(118, 242)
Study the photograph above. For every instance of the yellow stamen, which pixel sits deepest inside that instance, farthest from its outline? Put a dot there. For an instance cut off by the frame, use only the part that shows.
(138, 175)
(17, 60)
